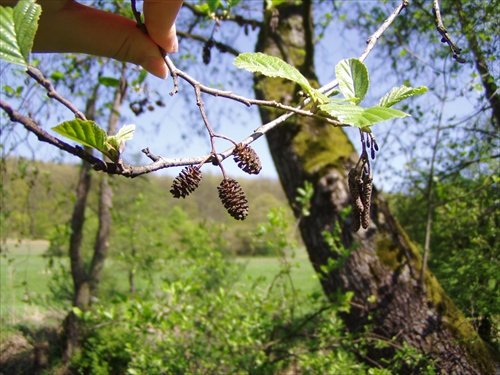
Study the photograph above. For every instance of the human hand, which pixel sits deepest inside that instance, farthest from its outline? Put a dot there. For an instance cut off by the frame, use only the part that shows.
(67, 26)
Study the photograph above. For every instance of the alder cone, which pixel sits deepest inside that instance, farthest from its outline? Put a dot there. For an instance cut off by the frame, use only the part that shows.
(233, 198)
(247, 159)
(186, 182)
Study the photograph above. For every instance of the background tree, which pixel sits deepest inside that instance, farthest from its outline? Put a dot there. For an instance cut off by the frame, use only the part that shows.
(450, 150)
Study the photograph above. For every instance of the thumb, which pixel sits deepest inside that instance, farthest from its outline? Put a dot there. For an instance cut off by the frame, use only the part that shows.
(81, 29)
(159, 17)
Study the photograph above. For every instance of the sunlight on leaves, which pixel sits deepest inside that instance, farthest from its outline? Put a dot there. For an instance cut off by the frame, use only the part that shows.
(88, 133)
(18, 26)
(353, 79)
(271, 66)
(400, 93)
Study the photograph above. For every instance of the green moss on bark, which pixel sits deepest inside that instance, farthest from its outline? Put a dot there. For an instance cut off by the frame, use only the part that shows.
(322, 148)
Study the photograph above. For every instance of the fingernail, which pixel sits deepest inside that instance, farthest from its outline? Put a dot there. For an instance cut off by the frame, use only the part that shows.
(175, 45)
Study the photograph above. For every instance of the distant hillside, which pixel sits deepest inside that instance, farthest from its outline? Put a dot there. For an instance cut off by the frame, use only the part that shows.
(37, 200)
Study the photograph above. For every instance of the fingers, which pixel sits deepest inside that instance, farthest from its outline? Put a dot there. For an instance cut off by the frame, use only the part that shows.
(160, 18)
(73, 27)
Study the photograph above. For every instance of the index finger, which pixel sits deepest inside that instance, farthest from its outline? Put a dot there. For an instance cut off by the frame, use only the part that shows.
(159, 17)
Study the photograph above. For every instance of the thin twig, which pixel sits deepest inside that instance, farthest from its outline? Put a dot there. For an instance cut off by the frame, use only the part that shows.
(38, 76)
(445, 37)
(43, 136)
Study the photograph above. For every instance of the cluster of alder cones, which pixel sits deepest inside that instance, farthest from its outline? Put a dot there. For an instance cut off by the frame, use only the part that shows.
(231, 194)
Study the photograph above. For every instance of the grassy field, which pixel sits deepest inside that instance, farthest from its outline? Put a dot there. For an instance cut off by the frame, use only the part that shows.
(303, 276)
(25, 278)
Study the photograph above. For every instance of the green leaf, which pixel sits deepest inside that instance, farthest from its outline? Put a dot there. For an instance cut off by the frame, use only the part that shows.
(18, 26)
(358, 116)
(116, 144)
(140, 79)
(108, 81)
(347, 114)
(400, 93)
(213, 5)
(374, 115)
(77, 311)
(271, 66)
(88, 133)
(353, 79)
(125, 133)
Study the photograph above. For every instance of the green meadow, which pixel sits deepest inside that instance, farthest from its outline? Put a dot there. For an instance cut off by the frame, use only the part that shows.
(25, 279)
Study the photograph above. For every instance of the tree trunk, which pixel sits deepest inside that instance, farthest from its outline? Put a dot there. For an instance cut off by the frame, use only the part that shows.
(101, 245)
(382, 266)
(487, 79)
(86, 282)
(81, 290)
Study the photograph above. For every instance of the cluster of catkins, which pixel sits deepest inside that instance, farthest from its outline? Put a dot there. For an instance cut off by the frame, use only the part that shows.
(231, 194)
(360, 182)
(360, 187)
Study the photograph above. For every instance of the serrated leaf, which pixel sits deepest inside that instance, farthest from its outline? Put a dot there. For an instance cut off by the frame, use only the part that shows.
(342, 100)
(344, 112)
(88, 133)
(272, 66)
(400, 93)
(18, 26)
(26, 16)
(361, 117)
(125, 133)
(374, 115)
(8, 43)
(116, 144)
(353, 78)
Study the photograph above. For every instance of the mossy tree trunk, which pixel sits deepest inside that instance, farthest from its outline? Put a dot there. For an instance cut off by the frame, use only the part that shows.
(383, 266)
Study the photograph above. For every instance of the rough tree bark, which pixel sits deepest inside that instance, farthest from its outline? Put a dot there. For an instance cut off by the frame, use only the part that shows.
(384, 266)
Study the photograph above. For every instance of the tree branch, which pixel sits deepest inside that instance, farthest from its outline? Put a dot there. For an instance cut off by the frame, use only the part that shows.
(43, 136)
(159, 162)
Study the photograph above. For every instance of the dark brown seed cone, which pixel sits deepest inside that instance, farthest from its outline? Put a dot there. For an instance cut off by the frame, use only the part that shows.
(233, 198)
(366, 197)
(186, 182)
(207, 53)
(247, 159)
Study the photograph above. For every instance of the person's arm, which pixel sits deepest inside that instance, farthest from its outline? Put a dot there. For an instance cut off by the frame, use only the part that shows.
(68, 26)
